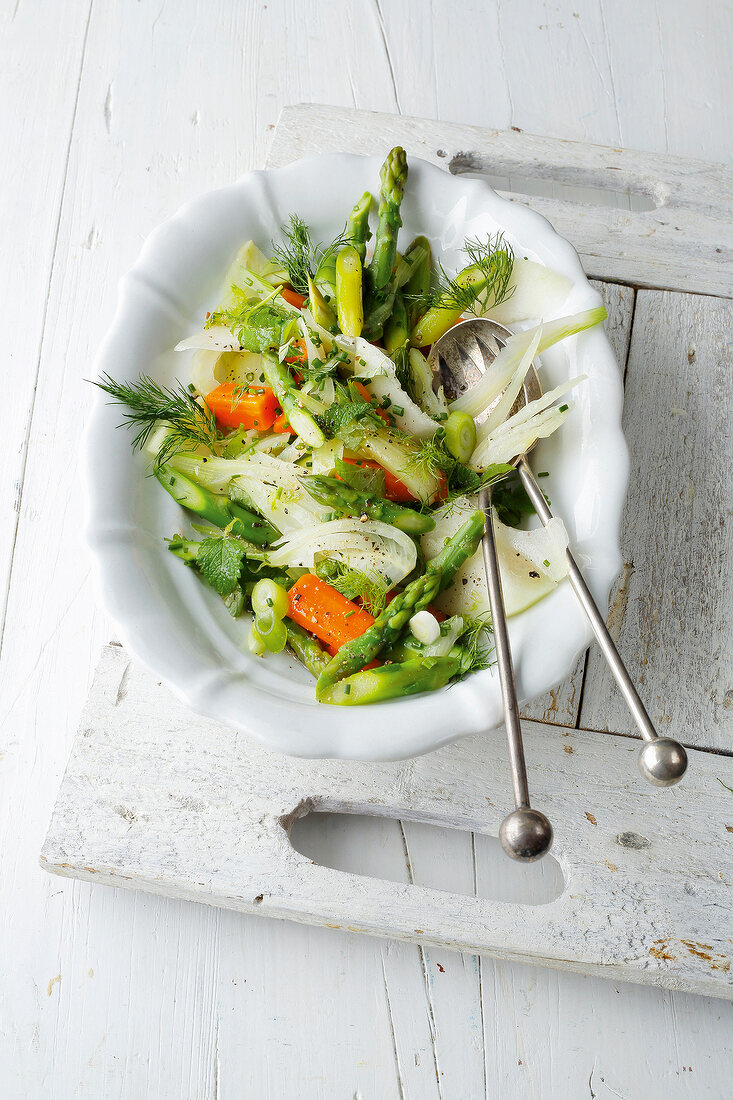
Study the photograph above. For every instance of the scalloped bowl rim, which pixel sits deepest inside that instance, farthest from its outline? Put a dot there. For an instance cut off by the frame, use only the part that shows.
(176, 631)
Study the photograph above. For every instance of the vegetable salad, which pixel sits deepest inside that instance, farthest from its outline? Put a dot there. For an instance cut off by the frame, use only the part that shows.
(328, 484)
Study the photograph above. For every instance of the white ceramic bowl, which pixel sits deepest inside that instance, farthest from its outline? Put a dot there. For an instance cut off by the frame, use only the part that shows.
(182, 631)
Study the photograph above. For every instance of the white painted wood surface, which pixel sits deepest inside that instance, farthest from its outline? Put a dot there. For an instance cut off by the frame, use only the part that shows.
(114, 114)
(157, 799)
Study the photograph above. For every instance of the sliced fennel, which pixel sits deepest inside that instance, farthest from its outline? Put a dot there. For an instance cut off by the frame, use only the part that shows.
(269, 484)
(215, 338)
(503, 406)
(536, 420)
(422, 382)
(372, 547)
(450, 632)
(394, 457)
(535, 292)
(210, 369)
(206, 374)
(248, 260)
(476, 400)
(323, 459)
(522, 555)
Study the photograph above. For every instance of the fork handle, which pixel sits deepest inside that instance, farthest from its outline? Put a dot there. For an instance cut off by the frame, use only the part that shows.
(597, 622)
(504, 656)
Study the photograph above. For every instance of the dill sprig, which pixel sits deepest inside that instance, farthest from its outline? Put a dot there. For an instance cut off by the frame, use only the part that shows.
(493, 261)
(300, 255)
(474, 643)
(370, 589)
(433, 459)
(191, 422)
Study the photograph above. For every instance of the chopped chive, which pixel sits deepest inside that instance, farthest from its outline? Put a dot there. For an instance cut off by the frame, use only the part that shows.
(546, 563)
(347, 689)
(349, 614)
(543, 474)
(398, 410)
(564, 408)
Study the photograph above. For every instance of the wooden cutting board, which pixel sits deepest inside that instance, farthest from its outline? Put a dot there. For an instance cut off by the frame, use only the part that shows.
(159, 799)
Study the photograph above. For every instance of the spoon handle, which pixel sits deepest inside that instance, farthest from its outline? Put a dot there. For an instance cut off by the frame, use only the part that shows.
(525, 834)
(604, 639)
(504, 657)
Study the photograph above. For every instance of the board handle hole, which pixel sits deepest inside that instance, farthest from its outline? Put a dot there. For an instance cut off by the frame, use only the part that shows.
(517, 185)
(449, 860)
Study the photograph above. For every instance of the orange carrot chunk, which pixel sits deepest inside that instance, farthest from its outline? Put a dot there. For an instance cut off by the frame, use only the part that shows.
(323, 611)
(367, 396)
(282, 424)
(254, 409)
(292, 297)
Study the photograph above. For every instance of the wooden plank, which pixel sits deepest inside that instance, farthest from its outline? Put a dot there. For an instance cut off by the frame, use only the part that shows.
(157, 805)
(32, 195)
(561, 706)
(670, 610)
(684, 242)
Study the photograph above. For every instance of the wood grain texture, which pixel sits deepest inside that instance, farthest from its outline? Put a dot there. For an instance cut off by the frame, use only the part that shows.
(669, 245)
(161, 998)
(186, 808)
(670, 610)
(29, 187)
(561, 706)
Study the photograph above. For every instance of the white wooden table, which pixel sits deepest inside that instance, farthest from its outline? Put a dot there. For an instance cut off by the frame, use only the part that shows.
(113, 115)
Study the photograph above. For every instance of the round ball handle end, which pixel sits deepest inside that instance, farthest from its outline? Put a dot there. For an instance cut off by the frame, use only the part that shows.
(662, 762)
(525, 834)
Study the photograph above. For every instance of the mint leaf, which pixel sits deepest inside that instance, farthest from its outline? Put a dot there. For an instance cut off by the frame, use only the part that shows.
(364, 479)
(219, 560)
(340, 416)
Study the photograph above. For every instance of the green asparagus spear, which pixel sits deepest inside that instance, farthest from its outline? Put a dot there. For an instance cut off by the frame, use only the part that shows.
(393, 176)
(185, 549)
(381, 302)
(441, 317)
(357, 233)
(279, 377)
(387, 627)
(417, 289)
(340, 497)
(357, 227)
(396, 332)
(321, 310)
(306, 648)
(397, 342)
(325, 276)
(215, 508)
(348, 291)
(377, 685)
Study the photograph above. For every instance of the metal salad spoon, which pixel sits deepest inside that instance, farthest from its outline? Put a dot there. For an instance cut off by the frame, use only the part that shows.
(458, 360)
